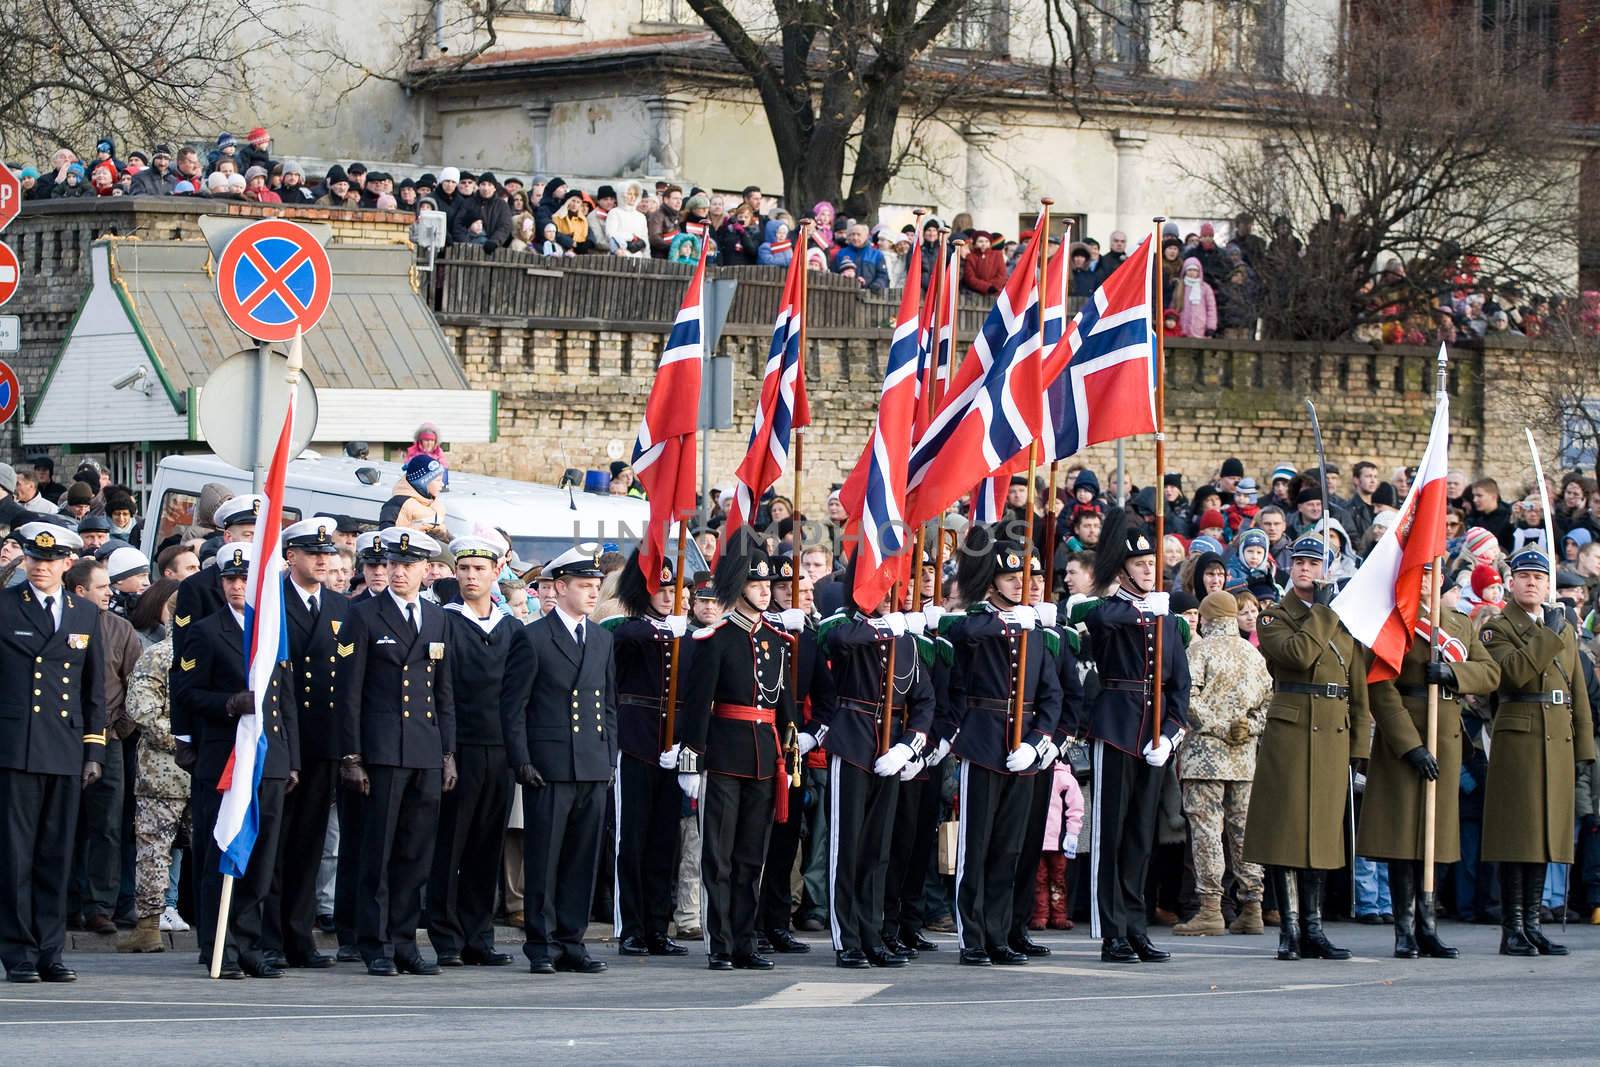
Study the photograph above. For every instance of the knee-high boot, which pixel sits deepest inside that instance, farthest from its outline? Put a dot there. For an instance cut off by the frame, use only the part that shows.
(1403, 892)
(1428, 922)
(1314, 944)
(1532, 895)
(1513, 939)
(1288, 918)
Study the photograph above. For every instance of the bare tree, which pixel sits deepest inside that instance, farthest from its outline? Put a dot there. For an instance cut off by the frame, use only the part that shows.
(72, 71)
(1388, 163)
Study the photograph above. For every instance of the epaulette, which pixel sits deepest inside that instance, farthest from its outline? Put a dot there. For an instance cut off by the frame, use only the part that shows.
(709, 629)
(1072, 641)
(610, 624)
(944, 652)
(948, 620)
(1183, 630)
(830, 623)
(1052, 642)
(1078, 609)
(925, 648)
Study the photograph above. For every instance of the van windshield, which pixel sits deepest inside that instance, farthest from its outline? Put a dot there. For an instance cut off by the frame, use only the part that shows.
(544, 549)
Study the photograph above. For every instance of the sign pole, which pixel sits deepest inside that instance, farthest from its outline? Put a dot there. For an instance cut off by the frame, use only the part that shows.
(259, 470)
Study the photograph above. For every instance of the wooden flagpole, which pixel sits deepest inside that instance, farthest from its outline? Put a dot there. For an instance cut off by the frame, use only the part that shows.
(1041, 237)
(934, 398)
(1161, 462)
(1430, 789)
(798, 443)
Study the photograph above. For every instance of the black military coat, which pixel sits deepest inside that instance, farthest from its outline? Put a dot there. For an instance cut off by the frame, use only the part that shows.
(52, 692)
(742, 663)
(199, 597)
(558, 704)
(320, 651)
(399, 707)
(211, 672)
(858, 653)
(642, 646)
(477, 671)
(984, 649)
(1122, 642)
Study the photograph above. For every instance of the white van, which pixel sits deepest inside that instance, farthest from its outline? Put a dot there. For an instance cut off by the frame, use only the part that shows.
(543, 521)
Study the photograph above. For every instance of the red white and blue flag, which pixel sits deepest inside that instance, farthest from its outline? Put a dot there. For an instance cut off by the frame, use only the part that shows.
(664, 451)
(936, 339)
(1101, 376)
(992, 411)
(781, 408)
(875, 493)
(266, 644)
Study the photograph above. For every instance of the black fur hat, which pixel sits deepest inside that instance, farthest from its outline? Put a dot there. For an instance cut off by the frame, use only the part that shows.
(1121, 538)
(975, 567)
(743, 560)
(632, 591)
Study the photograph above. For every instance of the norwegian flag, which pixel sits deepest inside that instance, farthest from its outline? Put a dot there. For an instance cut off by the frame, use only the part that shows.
(1101, 374)
(874, 494)
(992, 411)
(936, 338)
(780, 409)
(664, 452)
(989, 497)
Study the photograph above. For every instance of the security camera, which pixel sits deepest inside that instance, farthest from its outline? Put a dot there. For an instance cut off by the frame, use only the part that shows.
(132, 378)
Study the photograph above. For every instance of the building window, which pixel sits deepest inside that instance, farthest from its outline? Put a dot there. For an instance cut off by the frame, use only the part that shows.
(1526, 33)
(556, 8)
(668, 13)
(983, 26)
(1117, 31)
(1248, 37)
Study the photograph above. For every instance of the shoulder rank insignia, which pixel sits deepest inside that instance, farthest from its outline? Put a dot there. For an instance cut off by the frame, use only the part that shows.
(180, 620)
(186, 664)
(347, 650)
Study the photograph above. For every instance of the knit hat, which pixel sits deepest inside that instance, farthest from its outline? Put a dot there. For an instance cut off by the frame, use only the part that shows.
(420, 470)
(1210, 520)
(449, 174)
(1483, 576)
(80, 493)
(255, 172)
(1578, 536)
(697, 202)
(1232, 467)
(1250, 537)
(1384, 495)
(226, 140)
(292, 167)
(258, 134)
(1203, 544)
(1481, 544)
(1286, 471)
(336, 174)
(1182, 600)
(1219, 605)
(1087, 479)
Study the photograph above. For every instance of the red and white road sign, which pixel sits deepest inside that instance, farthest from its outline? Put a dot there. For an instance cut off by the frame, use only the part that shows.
(273, 278)
(10, 196)
(10, 273)
(10, 392)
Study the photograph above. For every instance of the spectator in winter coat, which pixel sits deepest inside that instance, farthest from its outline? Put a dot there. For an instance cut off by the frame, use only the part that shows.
(871, 272)
(73, 186)
(983, 269)
(1252, 568)
(1238, 304)
(1052, 878)
(665, 222)
(425, 442)
(777, 250)
(739, 237)
(1195, 302)
(572, 223)
(152, 181)
(929, 249)
(627, 231)
(1213, 258)
(255, 187)
(257, 151)
(294, 189)
(1490, 512)
(1084, 280)
(103, 179)
(822, 214)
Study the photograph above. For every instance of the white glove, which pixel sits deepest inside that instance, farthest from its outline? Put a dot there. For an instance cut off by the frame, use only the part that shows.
(934, 613)
(893, 761)
(669, 758)
(690, 784)
(1024, 616)
(1157, 603)
(896, 621)
(794, 620)
(1069, 846)
(912, 769)
(677, 625)
(916, 622)
(1048, 753)
(1157, 754)
(1047, 614)
(1021, 758)
(805, 742)
(939, 754)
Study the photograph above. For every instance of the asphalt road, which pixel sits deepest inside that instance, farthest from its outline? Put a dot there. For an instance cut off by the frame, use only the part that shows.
(1221, 1000)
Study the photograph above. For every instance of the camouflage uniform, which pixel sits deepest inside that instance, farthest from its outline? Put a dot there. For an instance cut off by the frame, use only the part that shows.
(1229, 681)
(161, 793)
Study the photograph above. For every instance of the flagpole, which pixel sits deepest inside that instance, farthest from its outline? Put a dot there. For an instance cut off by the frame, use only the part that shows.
(1041, 236)
(1550, 600)
(797, 535)
(1161, 471)
(934, 398)
(930, 373)
(219, 936)
(1430, 787)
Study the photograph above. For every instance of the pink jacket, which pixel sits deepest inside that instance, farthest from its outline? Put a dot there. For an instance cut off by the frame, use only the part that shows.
(1065, 813)
(1197, 319)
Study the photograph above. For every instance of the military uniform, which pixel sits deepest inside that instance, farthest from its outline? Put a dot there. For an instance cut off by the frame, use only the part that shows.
(397, 721)
(916, 819)
(211, 686)
(1543, 728)
(863, 777)
(349, 804)
(558, 711)
(1392, 807)
(52, 724)
(161, 789)
(1317, 723)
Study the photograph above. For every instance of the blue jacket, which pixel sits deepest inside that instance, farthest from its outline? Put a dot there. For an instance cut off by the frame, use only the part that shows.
(870, 267)
(765, 255)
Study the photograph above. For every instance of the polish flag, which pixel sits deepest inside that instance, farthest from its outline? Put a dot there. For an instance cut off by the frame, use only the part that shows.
(1381, 604)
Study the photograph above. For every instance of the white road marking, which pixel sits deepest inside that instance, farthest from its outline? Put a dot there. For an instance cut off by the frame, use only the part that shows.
(821, 995)
(207, 1019)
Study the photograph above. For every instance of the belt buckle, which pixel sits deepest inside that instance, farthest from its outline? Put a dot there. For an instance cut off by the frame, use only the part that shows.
(1331, 690)
(1558, 696)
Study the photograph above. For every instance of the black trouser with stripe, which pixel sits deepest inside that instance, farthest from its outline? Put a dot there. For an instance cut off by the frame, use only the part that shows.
(861, 809)
(38, 814)
(1127, 799)
(466, 855)
(289, 921)
(398, 825)
(648, 801)
(916, 827)
(246, 907)
(1032, 846)
(735, 820)
(994, 813)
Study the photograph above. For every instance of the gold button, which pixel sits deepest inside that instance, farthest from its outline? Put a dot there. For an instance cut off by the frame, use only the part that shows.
(63, 715)
(38, 659)
(66, 697)
(274, 715)
(574, 717)
(430, 714)
(574, 729)
(274, 729)
(308, 659)
(600, 729)
(597, 692)
(36, 674)
(36, 709)
(406, 684)
(36, 693)
(406, 714)
(308, 689)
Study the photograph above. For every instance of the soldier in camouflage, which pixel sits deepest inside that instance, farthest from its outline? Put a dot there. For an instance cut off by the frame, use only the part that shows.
(1228, 698)
(161, 794)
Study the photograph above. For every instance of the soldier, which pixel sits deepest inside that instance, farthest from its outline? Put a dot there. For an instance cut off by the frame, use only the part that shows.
(211, 686)
(1318, 727)
(1543, 729)
(647, 798)
(374, 568)
(986, 646)
(1392, 807)
(1230, 688)
(398, 763)
(472, 816)
(560, 676)
(1130, 755)
(349, 803)
(737, 707)
(316, 621)
(863, 774)
(52, 747)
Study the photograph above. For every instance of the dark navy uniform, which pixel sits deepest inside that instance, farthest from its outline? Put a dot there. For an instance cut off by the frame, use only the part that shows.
(916, 826)
(398, 724)
(349, 803)
(199, 597)
(558, 710)
(210, 685)
(52, 722)
(737, 706)
(472, 816)
(861, 802)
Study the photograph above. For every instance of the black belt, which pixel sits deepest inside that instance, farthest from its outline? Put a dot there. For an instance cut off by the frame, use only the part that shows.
(637, 700)
(1125, 685)
(1004, 707)
(861, 707)
(1554, 696)
(1327, 689)
(1421, 692)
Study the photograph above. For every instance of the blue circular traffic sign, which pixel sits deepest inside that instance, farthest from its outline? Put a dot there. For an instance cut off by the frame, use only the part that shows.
(273, 278)
(10, 392)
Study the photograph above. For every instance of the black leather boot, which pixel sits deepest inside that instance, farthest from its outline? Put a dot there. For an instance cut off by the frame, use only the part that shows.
(1427, 923)
(1288, 920)
(1532, 894)
(1314, 944)
(1513, 940)
(1403, 891)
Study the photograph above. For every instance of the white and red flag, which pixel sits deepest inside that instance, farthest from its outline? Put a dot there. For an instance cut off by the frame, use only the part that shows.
(1382, 604)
